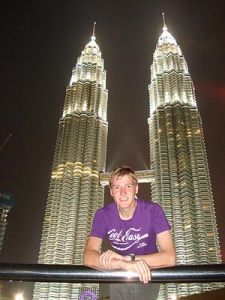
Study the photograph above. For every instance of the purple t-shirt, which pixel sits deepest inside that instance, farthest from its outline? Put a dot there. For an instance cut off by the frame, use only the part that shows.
(137, 235)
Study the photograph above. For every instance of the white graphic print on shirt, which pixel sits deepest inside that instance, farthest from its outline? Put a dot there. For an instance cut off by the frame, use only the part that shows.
(125, 240)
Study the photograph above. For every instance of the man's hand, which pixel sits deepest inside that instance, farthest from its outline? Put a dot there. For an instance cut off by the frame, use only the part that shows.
(110, 260)
(141, 267)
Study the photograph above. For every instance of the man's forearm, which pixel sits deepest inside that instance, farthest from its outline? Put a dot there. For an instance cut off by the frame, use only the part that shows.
(92, 258)
(105, 260)
(159, 259)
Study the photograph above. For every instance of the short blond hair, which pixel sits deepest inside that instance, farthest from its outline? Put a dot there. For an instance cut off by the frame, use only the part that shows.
(122, 171)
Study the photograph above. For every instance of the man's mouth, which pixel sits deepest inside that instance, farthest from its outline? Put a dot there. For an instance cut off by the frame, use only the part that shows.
(124, 199)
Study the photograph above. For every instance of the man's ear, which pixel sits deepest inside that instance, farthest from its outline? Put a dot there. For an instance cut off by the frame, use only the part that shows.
(111, 193)
(137, 188)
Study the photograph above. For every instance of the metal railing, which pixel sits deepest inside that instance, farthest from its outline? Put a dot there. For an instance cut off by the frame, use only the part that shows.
(83, 274)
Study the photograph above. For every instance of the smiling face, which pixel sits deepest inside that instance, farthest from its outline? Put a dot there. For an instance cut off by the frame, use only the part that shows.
(123, 190)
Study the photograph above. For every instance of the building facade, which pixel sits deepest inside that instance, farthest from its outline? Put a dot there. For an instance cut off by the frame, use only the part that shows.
(80, 155)
(6, 202)
(178, 157)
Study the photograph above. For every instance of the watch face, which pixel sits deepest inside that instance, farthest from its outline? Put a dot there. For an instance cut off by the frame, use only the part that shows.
(132, 256)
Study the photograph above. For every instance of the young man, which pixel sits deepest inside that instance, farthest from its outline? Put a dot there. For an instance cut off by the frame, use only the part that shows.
(133, 227)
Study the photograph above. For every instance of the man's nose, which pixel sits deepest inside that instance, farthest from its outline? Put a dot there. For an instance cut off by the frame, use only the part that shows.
(122, 190)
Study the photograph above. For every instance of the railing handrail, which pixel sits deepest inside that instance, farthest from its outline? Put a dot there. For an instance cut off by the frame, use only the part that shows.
(84, 274)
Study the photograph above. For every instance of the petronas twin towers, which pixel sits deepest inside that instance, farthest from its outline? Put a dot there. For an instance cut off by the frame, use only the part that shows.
(181, 182)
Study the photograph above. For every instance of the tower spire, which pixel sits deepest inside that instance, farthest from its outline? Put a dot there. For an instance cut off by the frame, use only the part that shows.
(164, 22)
(94, 25)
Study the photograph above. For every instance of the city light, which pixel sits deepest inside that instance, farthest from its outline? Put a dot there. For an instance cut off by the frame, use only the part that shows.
(19, 296)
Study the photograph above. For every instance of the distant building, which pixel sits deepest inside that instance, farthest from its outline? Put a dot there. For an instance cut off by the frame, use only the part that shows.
(75, 192)
(6, 202)
(178, 157)
(211, 295)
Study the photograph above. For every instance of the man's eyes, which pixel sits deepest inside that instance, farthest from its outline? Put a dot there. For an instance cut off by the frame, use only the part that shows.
(126, 187)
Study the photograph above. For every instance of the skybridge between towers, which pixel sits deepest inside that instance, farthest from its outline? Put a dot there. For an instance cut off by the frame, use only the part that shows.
(144, 176)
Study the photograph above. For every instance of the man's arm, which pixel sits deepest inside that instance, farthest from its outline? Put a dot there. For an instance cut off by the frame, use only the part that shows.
(93, 256)
(92, 252)
(112, 260)
(166, 256)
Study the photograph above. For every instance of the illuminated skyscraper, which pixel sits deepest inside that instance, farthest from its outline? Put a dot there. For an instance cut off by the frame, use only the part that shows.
(6, 202)
(80, 155)
(178, 157)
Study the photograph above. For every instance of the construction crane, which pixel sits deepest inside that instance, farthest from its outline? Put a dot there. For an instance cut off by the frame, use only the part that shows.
(5, 142)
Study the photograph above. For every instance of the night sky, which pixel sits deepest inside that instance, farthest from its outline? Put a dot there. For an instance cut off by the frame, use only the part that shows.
(40, 43)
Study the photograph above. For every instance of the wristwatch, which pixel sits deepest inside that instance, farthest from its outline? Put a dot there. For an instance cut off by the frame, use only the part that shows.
(132, 256)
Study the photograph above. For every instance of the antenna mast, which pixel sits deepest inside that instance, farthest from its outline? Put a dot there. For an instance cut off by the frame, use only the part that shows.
(164, 22)
(93, 33)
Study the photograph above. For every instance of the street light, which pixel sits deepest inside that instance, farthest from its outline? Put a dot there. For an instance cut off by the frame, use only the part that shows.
(19, 296)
